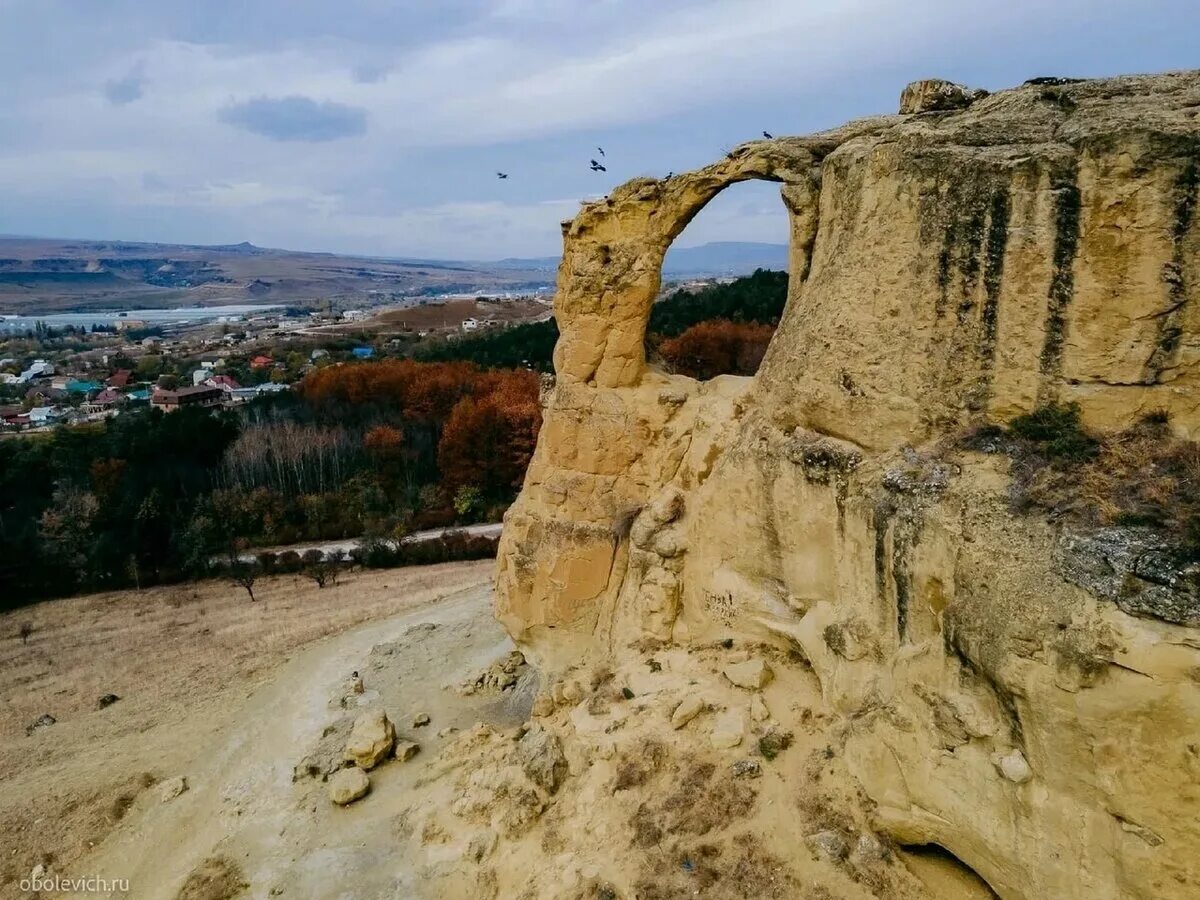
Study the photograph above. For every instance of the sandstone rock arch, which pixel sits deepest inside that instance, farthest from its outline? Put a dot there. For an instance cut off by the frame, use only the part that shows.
(613, 254)
(949, 267)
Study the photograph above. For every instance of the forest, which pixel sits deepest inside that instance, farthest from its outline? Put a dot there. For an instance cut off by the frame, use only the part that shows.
(721, 329)
(371, 450)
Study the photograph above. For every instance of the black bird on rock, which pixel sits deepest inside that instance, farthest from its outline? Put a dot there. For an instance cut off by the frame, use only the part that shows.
(596, 167)
(501, 175)
(768, 135)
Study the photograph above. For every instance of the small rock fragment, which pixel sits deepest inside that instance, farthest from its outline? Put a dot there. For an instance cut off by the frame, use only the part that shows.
(371, 739)
(753, 674)
(406, 750)
(482, 844)
(420, 720)
(1012, 765)
(728, 730)
(829, 844)
(43, 721)
(447, 731)
(172, 788)
(348, 785)
(543, 705)
(758, 709)
(869, 849)
(572, 692)
(107, 700)
(747, 768)
(687, 710)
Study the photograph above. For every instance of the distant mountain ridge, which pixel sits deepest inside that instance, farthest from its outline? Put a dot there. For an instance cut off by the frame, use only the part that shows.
(39, 275)
(713, 258)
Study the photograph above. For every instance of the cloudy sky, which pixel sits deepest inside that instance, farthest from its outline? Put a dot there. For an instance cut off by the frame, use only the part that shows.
(377, 126)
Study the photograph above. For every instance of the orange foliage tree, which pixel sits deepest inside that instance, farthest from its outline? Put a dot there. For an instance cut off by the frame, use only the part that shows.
(490, 435)
(717, 347)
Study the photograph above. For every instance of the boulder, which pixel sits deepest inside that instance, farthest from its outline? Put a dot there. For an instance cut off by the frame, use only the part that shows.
(348, 785)
(106, 701)
(541, 757)
(371, 739)
(687, 710)
(753, 674)
(936, 95)
(420, 720)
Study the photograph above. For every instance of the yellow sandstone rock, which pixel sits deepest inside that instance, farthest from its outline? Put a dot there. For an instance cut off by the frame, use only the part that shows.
(990, 691)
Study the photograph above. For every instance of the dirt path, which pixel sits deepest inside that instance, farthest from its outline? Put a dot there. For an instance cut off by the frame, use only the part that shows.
(243, 805)
(183, 660)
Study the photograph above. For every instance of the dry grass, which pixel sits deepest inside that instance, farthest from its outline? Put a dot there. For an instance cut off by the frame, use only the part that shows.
(1144, 475)
(217, 878)
(178, 657)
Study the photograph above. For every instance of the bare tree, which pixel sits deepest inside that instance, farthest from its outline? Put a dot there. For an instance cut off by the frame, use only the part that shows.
(25, 631)
(244, 574)
(318, 568)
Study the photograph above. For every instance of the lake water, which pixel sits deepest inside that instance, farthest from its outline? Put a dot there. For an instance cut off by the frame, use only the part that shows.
(180, 315)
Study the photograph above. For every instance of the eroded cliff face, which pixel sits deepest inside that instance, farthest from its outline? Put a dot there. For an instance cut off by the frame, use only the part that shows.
(1023, 695)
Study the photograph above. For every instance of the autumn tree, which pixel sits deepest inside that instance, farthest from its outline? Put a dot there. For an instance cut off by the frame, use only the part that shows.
(717, 347)
(490, 436)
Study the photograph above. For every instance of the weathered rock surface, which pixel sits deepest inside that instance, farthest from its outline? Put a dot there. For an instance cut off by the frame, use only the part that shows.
(371, 739)
(947, 270)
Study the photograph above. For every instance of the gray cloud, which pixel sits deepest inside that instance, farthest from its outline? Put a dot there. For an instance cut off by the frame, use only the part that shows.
(121, 91)
(369, 74)
(296, 118)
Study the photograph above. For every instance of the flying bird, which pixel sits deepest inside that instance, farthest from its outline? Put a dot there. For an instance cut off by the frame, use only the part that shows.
(501, 175)
(596, 167)
(768, 135)
(601, 149)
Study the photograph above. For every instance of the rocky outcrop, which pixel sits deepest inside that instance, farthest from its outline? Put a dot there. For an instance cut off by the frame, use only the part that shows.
(1003, 688)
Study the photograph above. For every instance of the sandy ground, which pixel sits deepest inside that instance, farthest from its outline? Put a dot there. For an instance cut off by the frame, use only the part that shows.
(587, 793)
(183, 660)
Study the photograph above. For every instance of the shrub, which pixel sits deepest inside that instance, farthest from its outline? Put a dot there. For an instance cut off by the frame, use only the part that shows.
(1143, 476)
(1055, 432)
(288, 561)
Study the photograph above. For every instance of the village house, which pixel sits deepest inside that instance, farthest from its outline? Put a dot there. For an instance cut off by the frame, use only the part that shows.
(45, 415)
(201, 396)
(224, 382)
(107, 399)
(40, 368)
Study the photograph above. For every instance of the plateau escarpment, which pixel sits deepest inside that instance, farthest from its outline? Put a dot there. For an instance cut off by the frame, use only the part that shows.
(1020, 692)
